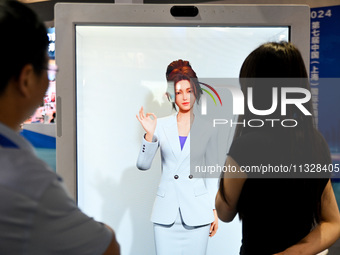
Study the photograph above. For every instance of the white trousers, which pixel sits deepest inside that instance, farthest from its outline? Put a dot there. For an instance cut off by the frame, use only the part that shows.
(180, 239)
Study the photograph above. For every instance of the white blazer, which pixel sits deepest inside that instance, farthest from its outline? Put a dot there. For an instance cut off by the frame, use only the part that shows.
(178, 188)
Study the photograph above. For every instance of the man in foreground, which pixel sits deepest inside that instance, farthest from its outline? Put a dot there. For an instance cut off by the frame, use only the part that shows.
(37, 216)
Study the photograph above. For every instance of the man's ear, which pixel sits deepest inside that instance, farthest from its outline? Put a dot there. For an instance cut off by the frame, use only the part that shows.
(26, 80)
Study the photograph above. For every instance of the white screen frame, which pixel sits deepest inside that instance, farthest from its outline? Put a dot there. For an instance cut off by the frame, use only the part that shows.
(67, 16)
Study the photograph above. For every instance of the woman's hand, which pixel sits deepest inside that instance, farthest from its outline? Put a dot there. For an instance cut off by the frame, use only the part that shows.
(214, 225)
(148, 123)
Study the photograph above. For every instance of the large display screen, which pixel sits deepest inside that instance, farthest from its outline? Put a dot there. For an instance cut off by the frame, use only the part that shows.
(112, 60)
(118, 70)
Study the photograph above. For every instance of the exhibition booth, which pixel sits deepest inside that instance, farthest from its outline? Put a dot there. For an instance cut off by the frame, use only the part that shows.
(112, 60)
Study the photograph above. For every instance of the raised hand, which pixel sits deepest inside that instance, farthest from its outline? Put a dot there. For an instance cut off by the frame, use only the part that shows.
(148, 123)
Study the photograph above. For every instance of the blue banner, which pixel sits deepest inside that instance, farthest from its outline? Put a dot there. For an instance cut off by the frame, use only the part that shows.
(325, 64)
(51, 45)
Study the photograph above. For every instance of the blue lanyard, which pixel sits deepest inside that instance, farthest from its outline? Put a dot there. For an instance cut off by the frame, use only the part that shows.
(5, 142)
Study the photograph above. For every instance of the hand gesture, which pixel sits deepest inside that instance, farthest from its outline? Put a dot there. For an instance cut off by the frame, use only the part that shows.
(148, 123)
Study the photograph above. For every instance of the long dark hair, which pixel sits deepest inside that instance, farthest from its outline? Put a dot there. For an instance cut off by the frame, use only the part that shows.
(305, 144)
(179, 70)
(282, 65)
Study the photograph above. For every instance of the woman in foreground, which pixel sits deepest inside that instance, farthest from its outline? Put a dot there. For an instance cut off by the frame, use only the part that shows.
(286, 213)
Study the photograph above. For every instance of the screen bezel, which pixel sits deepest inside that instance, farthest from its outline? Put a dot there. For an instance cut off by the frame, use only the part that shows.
(68, 16)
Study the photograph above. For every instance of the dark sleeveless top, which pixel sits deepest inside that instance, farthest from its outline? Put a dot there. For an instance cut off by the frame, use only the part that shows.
(276, 213)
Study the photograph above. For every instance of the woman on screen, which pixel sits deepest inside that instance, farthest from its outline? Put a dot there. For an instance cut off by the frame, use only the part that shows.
(183, 214)
(283, 214)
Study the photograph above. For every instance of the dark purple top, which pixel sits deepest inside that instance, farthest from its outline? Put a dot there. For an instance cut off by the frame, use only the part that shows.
(182, 140)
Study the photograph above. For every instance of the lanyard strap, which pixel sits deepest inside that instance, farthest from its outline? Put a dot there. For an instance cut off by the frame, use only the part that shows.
(5, 142)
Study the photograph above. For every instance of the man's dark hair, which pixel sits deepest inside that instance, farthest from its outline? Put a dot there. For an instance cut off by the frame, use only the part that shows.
(23, 40)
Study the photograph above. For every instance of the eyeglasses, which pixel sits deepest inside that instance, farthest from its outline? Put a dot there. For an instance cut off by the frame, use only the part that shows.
(52, 71)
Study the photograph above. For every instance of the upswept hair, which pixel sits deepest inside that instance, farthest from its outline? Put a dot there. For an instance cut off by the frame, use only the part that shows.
(181, 70)
(23, 41)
